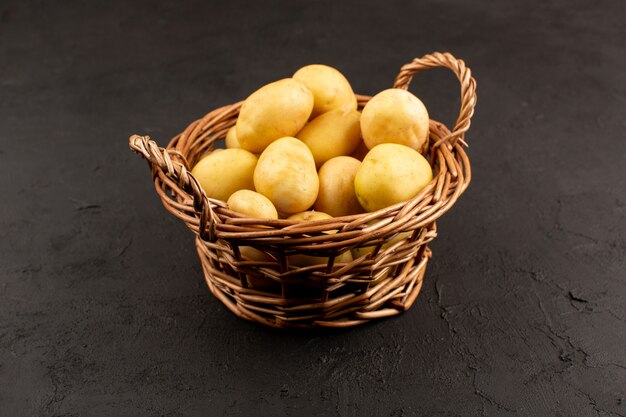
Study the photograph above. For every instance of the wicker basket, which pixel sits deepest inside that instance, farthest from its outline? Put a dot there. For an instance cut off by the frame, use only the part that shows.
(383, 282)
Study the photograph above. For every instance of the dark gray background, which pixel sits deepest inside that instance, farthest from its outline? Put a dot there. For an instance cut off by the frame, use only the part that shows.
(103, 308)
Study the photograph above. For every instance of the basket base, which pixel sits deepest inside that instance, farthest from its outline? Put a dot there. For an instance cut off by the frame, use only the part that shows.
(390, 297)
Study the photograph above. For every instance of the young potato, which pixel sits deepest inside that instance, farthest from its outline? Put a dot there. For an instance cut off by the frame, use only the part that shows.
(395, 116)
(274, 111)
(364, 250)
(231, 138)
(222, 173)
(309, 216)
(332, 134)
(389, 174)
(361, 251)
(336, 195)
(329, 87)
(258, 282)
(308, 260)
(250, 253)
(286, 175)
(253, 204)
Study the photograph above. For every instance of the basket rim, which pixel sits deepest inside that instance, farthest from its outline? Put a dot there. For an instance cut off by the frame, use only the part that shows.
(351, 231)
(212, 219)
(386, 221)
(173, 149)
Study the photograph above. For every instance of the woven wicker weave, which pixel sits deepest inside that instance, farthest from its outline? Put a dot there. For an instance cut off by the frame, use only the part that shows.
(381, 283)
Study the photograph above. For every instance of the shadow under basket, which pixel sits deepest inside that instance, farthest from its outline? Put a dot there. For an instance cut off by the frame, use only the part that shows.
(337, 272)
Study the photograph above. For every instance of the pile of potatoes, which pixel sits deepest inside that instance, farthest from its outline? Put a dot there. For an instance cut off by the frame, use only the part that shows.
(301, 150)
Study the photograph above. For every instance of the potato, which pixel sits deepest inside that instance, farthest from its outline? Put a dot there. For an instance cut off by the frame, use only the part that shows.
(336, 195)
(286, 175)
(274, 111)
(222, 173)
(358, 252)
(252, 204)
(395, 116)
(332, 134)
(364, 250)
(330, 88)
(258, 282)
(231, 138)
(389, 174)
(308, 260)
(310, 215)
(253, 254)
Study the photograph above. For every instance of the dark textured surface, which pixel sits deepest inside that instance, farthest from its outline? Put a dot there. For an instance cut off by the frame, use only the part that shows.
(103, 308)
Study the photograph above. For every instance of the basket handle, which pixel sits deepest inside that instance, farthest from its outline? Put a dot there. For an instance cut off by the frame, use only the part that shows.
(468, 89)
(159, 159)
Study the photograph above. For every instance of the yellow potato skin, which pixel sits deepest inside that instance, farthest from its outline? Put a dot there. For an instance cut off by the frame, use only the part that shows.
(390, 173)
(286, 175)
(253, 254)
(231, 138)
(332, 134)
(358, 252)
(261, 283)
(222, 173)
(309, 215)
(302, 260)
(330, 88)
(336, 195)
(395, 116)
(274, 111)
(252, 204)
